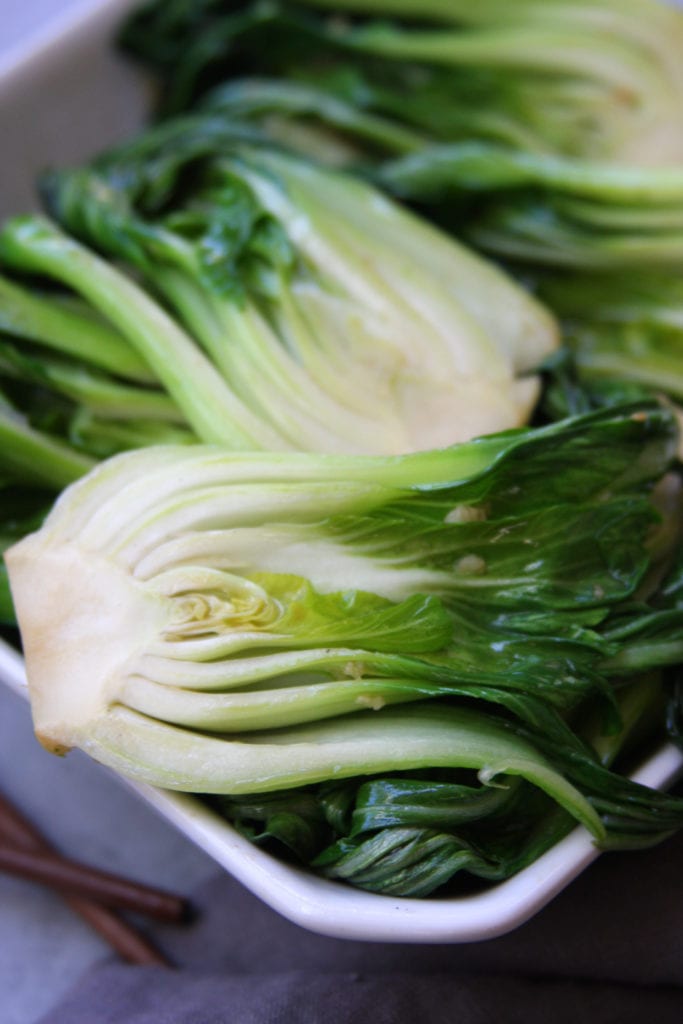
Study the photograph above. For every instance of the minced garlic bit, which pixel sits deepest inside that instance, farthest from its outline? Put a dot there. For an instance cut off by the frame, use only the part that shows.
(466, 514)
(369, 700)
(470, 565)
(355, 669)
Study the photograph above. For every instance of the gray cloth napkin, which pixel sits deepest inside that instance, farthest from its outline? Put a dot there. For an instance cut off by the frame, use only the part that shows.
(609, 949)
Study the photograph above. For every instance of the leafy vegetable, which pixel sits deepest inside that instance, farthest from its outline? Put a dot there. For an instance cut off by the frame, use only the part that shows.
(29, 457)
(242, 623)
(332, 316)
(584, 79)
(623, 335)
(394, 657)
(544, 210)
(308, 312)
(545, 133)
(623, 326)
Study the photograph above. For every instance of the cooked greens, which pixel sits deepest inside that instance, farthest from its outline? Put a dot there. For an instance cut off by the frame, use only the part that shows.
(245, 623)
(599, 79)
(301, 308)
(543, 132)
(337, 587)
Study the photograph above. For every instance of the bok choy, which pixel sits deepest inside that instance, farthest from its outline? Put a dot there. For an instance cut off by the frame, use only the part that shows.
(623, 326)
(542, 132)
(240, 623)
(282, 305)
(338, 588)
(599, 79)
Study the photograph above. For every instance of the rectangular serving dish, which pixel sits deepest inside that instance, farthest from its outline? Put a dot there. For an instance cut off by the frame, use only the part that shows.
(71, 125)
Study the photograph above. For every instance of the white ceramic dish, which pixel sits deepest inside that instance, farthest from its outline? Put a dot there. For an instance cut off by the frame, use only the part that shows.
(75, 122)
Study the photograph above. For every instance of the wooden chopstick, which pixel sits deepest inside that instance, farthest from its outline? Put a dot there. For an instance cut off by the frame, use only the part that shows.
(121, 936)
(81, 880)
(128, 942)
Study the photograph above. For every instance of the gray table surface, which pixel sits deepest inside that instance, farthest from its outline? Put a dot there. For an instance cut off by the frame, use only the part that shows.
(89, 815)
(44, 947)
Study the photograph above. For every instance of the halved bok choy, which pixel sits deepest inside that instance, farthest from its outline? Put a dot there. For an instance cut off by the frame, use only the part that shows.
(285, 306)
(237, 623)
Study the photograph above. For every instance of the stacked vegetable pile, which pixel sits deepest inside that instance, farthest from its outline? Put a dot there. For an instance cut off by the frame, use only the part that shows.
(331, 579)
